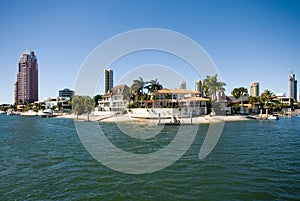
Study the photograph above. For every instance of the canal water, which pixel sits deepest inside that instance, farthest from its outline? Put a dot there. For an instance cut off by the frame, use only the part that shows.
(44, 159)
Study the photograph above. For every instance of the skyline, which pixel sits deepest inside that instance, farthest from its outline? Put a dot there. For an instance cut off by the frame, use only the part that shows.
(248, 40)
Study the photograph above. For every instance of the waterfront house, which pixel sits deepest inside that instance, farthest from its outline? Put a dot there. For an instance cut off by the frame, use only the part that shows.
(184, 99)
(115, 100)
(55, 102)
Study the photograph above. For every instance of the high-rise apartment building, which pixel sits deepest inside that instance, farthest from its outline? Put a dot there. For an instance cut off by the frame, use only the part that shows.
(182, 84)
(292, 86)
(254, 89)
(108, 80)
(198, 87)
(26, 86)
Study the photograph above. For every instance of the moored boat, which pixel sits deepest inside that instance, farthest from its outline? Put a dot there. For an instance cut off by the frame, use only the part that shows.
(45, 113)
(273, 117)
(30, 113)
(10, 112)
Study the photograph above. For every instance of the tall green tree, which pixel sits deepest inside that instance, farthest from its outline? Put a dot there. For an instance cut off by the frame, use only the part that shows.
(153, 86)
(37, 106)
(266, 99)
(59, 106)
(137, 87)
(97, 98)
(212, 87)
(253, 100)
(88, 106)
(78, 105)
(239, 92)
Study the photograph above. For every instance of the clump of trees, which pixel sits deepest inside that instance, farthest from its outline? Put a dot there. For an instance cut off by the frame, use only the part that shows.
(141, 90)
(213, 88)
(82, 105)
(239, 93)
(267, 100)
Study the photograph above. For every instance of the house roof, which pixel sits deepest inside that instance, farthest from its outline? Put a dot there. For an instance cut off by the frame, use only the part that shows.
(177, 91)
(196, 99)
(117, 90)
(234, 100)
(281, 98)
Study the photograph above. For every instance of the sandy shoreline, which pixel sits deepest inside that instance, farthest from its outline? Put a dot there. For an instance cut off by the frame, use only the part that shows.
(126, 118)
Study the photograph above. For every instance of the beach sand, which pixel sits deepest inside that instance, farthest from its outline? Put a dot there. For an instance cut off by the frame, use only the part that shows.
(125, 118)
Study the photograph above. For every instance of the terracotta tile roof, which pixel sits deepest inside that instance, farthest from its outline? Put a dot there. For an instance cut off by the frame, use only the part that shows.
(177, 91)
(196, 99)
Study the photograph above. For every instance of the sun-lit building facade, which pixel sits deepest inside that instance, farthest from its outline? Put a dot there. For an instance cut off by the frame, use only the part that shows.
(254, 89)
(26, 85)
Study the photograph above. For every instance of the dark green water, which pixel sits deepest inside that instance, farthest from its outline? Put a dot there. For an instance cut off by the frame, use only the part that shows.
(43, 159)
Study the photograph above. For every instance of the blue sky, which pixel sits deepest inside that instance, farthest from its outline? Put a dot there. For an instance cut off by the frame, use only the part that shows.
(249, 41)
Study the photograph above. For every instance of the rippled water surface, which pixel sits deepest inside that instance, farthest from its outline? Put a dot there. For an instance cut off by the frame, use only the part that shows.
(43, 159)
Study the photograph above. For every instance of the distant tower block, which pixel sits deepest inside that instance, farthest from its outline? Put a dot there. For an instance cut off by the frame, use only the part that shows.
(108, 80)
(182, 85)
(254, 89)
(27, 85)
(198, 87)
(293, 86)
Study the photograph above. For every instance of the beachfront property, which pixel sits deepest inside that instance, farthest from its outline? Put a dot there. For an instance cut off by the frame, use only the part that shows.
(115, 100)
(245, 107)
(54, 102)
(182, 102)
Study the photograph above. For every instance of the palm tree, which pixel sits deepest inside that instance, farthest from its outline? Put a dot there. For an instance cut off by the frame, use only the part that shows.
(153, 85)
(137, 88)
(213, 87)
(239, 92)
(253, 100)
(266, 96)
(265, 99)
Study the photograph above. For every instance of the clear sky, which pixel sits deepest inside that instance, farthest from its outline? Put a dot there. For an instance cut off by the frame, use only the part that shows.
(252, 40)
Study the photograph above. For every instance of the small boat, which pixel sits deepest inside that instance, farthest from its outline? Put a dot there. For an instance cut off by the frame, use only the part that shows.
(273, 117)
(30, 113)
(45, 113)
(250, 117)
(2, 112)
(10, 112)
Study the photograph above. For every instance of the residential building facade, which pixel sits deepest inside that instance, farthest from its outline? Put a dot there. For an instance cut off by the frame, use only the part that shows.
(292, 86)
(115, 101)
(254, 89)
(108, 80)
(182, 84)
(66, 93)
(26, 85)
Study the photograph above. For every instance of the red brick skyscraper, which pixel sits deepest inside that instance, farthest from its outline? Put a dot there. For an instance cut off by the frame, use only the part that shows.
(26, 86)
